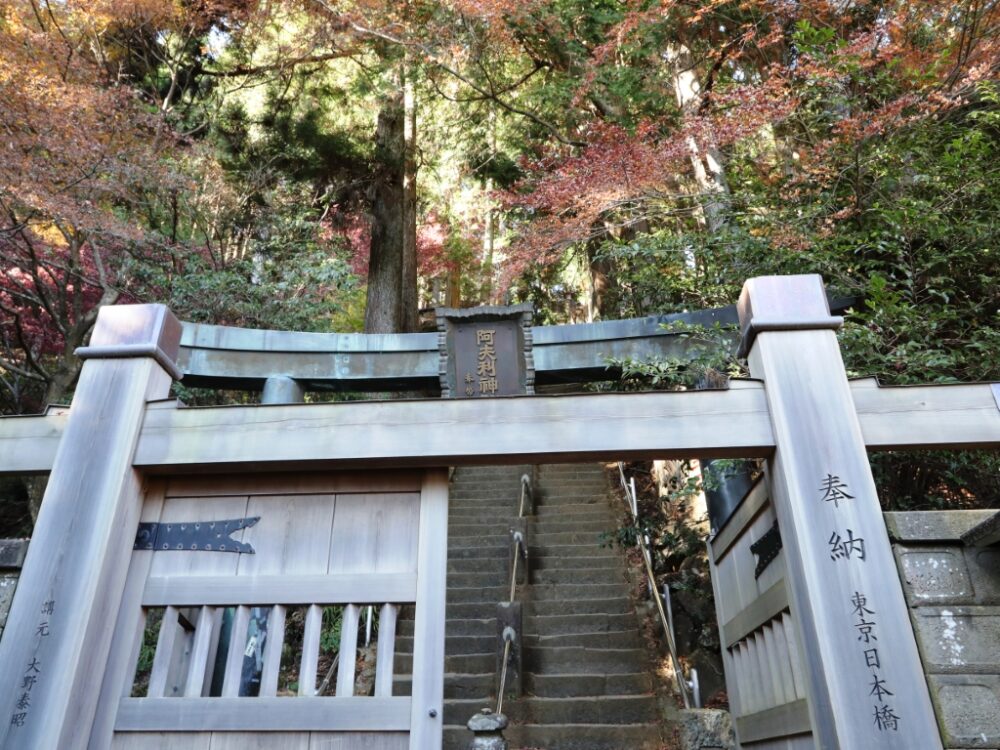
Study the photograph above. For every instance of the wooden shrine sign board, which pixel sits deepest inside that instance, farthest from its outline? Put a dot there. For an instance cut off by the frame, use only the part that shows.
(485, 351)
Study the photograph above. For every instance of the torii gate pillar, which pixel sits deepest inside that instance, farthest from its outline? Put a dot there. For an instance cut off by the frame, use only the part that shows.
(866, 687)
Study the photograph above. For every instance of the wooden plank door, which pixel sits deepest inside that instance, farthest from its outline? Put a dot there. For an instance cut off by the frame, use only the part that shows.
(220, 649)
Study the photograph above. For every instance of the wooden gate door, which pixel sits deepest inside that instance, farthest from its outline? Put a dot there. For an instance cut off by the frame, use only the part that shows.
(216, 649)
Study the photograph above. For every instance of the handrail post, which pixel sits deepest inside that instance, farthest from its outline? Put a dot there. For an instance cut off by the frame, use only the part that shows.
(510, 654)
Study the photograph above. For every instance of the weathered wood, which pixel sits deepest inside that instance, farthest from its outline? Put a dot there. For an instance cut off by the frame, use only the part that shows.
(160, 740)
(781, 721)
(263, 714)
(386, 650)
(163, 657)
(926, 416)
(427, 721)
(234, 659)
(199, 653)
(761, 610)
(83, 538)
(744, 514)
(310, 651)
(286, 484)
(896, 418)
(348, 651)
(272, 651)
(731, 423)
(28, 445)
(819, 445)
(130, 625)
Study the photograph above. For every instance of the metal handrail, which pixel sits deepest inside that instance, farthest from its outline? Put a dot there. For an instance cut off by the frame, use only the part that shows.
(642, 542)
(518, 548)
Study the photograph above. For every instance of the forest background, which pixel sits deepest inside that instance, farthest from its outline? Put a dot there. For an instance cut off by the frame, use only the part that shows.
(347, 165)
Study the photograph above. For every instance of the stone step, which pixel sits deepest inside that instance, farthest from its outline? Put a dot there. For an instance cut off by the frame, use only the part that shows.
(583, 660)
(587, 685)
(624, 709)
(551, 625)
(598, 557)
(594, 526)
(567, 736)
(482, 565)
(567, 537)
(477, 594)
(552, 486)
(484, 610)
(574, 576)
(569, 607)
(574, 499)
(486, 540)
(589, 510)
(572, 551)
(470, 531)
(456, 686)
(455, 626)
(559, 591)
(478, 552)
(477, 515)
(465, 580)
(456, 645)
(460, 663)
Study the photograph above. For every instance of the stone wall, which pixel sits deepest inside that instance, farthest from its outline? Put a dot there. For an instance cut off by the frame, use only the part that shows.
(12, 553)
(953, 592)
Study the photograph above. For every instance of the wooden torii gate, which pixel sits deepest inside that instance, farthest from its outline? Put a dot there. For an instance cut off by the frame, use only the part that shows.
(124, 453)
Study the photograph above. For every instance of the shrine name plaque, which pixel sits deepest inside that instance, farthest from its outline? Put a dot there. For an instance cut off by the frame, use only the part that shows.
(485, 351)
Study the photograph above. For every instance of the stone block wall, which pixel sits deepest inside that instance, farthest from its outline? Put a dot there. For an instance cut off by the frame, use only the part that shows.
(12, 553)
(953, 592)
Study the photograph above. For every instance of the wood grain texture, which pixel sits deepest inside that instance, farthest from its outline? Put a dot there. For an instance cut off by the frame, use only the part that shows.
(89, 515)
(819, 435)
(731, 423)
(162, 741)
(292, 538)
(263, 714)
(28, 445)
(310, 651)
(130, 624)
(386, 650)
(428, 631)
(272, 651)
(348, 651)
(295, 483)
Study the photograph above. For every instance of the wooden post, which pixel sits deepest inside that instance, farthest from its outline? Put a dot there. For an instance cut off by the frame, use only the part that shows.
(866, 687)
(59, 632)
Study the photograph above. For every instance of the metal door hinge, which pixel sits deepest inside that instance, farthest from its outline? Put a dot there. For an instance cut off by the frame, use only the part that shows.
(766, 548)
(195, 536)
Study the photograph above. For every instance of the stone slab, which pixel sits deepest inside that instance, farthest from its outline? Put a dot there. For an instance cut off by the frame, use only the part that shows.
(933, 525)
(968, 707)
(983, 564)
(12, 552)
(934, 575)
(959, 640)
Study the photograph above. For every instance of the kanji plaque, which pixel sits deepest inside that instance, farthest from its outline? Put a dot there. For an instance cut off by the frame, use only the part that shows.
(485, 351)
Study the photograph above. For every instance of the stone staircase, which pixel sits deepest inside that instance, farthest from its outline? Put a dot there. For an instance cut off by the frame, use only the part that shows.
(587, 680)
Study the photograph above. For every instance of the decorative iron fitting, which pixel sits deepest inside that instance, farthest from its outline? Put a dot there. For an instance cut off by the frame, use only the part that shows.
(194, 536)
(766, 548)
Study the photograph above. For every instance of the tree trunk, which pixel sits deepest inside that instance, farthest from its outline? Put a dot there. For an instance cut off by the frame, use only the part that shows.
(409, 302)
(706, 159)
(384, 311)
